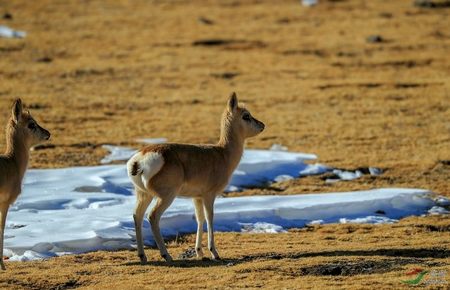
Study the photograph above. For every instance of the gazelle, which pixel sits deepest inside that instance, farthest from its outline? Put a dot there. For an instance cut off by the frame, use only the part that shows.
(199, 171)
(22, 132)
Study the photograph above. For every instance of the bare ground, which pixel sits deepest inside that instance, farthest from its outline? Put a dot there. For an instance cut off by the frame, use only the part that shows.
(108, 72)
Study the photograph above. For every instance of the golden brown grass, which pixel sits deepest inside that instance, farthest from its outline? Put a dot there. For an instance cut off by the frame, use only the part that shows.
(336, 256)
(120, 71)
(101, 72)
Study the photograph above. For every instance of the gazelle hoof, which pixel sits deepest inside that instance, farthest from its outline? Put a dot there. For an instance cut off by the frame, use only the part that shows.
(214, 254)
(167, 257)
(199, 253)
(143, 259)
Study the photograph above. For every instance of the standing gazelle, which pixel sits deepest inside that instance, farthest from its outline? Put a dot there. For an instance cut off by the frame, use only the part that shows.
(198, 171)
(22, 132)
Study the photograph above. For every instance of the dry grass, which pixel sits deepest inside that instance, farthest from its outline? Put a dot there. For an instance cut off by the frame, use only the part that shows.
(113, 71)
(336, 256)
(101, 72)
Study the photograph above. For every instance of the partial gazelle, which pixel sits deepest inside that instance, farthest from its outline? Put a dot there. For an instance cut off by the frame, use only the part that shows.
(199, 171)
(22, 132)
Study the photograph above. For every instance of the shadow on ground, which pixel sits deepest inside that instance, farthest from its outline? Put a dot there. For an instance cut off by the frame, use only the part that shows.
(400, 257)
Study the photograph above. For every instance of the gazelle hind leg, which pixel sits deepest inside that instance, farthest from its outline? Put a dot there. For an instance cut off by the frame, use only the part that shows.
(208, 205)
(161, 205)
(3, 212)
(200, 216)
(143, 199)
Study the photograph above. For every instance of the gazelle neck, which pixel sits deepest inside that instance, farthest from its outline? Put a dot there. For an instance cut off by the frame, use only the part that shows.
(232, 142)
(16, 148)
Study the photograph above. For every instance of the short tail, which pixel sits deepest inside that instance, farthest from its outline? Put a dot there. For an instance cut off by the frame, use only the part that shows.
(135, 169)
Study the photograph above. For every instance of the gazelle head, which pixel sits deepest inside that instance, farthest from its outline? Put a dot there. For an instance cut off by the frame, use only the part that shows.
(26, 126)
(240, 120)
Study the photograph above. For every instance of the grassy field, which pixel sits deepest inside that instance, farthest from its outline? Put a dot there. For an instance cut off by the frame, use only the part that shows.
(108, 72)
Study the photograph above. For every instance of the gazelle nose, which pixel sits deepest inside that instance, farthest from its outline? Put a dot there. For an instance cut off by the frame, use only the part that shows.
(48, 136)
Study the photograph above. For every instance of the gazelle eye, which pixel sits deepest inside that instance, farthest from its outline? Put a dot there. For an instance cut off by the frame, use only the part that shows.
(31, 126)
(246, 117)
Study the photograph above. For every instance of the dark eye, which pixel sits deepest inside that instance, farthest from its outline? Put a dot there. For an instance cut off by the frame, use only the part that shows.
(246, 117)
(32, 126)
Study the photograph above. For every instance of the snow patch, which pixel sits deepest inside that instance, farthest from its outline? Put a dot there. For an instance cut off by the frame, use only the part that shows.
(368, 220)
(89, 221)
(82, 209)
(278, 147)
(117, 153)
(7, 32)
(261, 227)
(438, 210)
(442, 201)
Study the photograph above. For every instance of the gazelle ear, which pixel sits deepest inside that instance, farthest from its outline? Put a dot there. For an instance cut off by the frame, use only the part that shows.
(17, 110)
(232, 102)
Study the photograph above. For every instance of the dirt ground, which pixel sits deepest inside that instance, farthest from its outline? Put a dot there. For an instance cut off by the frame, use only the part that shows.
(359, 83)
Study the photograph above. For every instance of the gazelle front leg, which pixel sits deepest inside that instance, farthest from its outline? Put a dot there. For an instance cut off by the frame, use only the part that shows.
(208, 205)
(200, 216)
(3, 212)
(155, 215)
(143, 199)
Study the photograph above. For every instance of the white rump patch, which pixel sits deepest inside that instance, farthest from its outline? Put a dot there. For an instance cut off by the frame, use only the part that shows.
(149, 165)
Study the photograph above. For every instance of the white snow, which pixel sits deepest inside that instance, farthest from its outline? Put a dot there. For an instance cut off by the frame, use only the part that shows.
(314, 169)
(309, 3)
(278, 147)
(261, 227)
(283, 177)
(368, 220)
(375, 171)
(316, 222)
(117, 153)
(7, 32)
(442, 201)
(81, 209)
(262, 167)
(438, 210)
(347, 175)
